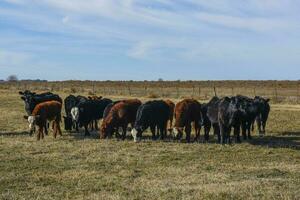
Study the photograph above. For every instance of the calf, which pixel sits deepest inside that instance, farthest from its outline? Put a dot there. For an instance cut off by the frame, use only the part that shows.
(88, 111)
(120, 115)
(187, 111)
(151, 114)
(50, 110)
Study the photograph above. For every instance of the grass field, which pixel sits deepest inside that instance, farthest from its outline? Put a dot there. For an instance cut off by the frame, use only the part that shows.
(74, 167)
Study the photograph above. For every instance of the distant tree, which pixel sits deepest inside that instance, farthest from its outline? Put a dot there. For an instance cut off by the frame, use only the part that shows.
(12, 78)
(160, 79)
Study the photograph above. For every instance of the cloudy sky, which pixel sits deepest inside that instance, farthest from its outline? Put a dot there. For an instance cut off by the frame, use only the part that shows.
(150, 39)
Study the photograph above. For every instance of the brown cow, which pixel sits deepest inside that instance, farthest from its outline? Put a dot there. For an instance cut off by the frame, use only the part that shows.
(120, 115)
(171, 106)
(187, 111)
(49, 110)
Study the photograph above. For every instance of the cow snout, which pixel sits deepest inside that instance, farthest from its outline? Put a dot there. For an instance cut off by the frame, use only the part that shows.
(134, 134)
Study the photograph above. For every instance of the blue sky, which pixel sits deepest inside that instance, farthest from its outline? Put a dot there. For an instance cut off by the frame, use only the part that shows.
(150, 39)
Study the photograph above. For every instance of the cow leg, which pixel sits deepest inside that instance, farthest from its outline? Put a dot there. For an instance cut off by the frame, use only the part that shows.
(124, 130)
(244, 130)
(188, 130)
(264, 123)
(153, 130)
(54, 129)
(228, 138)
(58, 128)
(96, 125)
(259, 124)
(76, 127)
(162, 129)
(46, 129)
(86, 131)
(222, 133)
(197, 132)
(249, 130)
(237, 134)
(217, 132)
(206, 131)
(38, 136)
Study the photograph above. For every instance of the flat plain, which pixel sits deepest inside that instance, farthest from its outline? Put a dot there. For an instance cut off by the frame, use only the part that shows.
(74, 167)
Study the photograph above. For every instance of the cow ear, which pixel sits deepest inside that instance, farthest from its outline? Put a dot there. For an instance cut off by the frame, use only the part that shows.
(23, 98)
(267, 100)
(25, 117)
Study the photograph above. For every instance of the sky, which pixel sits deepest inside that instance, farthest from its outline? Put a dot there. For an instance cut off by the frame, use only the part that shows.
(150, 39)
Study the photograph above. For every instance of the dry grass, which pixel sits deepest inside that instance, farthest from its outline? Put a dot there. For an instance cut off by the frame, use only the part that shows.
(73, 167)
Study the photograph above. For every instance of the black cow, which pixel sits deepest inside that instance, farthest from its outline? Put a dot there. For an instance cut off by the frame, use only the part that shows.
(262, 118)
(252, 111)
(87, 111)
(70, 102)
(151, 114)
(230, 111)
(31, 99)
(212, 114)
(206, 122)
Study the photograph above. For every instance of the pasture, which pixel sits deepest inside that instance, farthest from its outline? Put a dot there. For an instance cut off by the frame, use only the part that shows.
(74, 167)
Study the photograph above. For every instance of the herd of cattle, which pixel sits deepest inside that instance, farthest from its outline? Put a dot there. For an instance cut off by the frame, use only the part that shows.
(221, 114)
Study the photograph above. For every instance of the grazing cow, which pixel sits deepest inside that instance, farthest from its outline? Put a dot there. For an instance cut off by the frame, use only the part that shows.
(120, 115)
(151, 114)
(262, 118)
(87, 111)
(50, 110)
(31, 99)
(230, 111)
(212, 108)
(171, 105)
(187, 111)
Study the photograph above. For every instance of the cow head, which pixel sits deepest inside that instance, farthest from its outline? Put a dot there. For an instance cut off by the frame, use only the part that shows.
(236, 110)
(177, 132)
(106, 130)
(137, 133)
(75, 114)
(32, 120)
(30, 103)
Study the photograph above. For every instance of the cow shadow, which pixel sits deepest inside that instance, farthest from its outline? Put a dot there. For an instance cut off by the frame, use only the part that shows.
(14, 133)
(289, 140)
